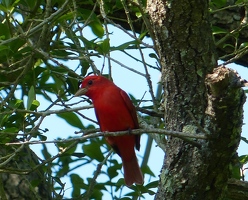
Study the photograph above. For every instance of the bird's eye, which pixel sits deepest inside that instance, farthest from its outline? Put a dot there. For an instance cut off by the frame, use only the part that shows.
(90, 82)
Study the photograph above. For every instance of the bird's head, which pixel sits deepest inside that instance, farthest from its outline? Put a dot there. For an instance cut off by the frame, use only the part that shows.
(93, 85)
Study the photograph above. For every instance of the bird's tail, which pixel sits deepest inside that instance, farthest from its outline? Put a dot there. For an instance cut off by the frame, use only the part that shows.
(132, 172)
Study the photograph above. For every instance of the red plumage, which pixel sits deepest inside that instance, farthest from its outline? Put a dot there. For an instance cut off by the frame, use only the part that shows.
(115, 112)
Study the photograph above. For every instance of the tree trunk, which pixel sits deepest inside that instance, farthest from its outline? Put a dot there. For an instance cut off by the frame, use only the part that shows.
(195, 96)
(15, 182)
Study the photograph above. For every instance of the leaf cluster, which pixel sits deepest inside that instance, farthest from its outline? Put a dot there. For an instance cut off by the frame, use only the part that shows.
(46, 48)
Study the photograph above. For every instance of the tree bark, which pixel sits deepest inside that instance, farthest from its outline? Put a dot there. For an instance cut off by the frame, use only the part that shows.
(15, 183)
(184, 43)
(237, 190)
(195, 96)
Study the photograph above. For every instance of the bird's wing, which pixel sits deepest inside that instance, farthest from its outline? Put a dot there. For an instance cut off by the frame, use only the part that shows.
(133, 114)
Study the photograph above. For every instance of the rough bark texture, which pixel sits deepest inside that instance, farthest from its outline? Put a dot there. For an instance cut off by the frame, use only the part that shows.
(237, 190)
(15, 184)
(185, 46)
(225, 109)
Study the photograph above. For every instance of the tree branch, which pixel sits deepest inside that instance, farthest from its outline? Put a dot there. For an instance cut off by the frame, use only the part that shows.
(178, 134)
(237, 189)
(89, 191)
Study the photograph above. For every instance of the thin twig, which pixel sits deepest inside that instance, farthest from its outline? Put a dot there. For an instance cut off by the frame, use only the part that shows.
(178, 134)
(39, 26)
(148, 77)
(90, 189)
(11, 92)
(27, 171)
(47, 112)
(127, 32)
(124, 66)
(11, 156)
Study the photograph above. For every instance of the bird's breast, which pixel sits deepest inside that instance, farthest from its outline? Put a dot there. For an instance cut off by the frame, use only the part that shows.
(113, 116)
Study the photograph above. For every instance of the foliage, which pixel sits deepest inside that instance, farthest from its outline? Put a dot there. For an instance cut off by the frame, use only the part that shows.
(46, 48)
(38, 39)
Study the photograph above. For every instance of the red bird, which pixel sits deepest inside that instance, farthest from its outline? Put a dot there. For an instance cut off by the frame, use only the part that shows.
(115, 112)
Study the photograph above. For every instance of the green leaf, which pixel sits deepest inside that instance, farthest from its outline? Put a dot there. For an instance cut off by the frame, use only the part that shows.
(113, 170)
(31, 97)
(15, 47)
(228, 45)
(103, 46)
(142, 35)
(94, 22)
(218, 3)
(77, 183)
(72, 119)
(153, 184)
(15, 3)
(97, 28)
(8, 134)
(18, 103)
(153, 55)
(36, 182)
(243, 45)
(35, 104)
(7, 3)
(44, 77)
(57, 179)
(31, 3)
(63, 145)
(72, 83)
(85, 66)
(90, 44)
(147, 170)
(3, 8)
(244, 139)
(3, 48)
(63, 54)
(235, 172)
(200, 72)
(239, 2)
(93, 151)
(59, 84)
(78, 155)
(38, 70)
(42, 137)
(3, 119)
(124, 45)
(243, 159)
(67, 16)
(218, 30)
(45, 152)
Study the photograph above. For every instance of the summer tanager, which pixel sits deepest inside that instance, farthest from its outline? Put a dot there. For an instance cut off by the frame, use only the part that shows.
(115, 112)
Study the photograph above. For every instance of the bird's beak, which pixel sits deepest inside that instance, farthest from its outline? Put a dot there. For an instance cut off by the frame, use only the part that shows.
(81, 92)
